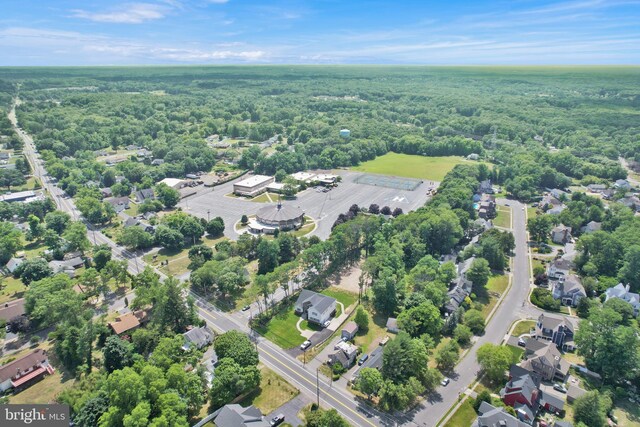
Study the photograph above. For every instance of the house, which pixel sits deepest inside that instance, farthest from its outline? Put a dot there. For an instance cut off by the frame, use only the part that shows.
(345, 354)
(119, 203)
(487, 207)
(157, 162)
(569, 291)
(62, 267)
(632, 202)
(596, 188)
(144, 153)
(473, 156)
(143, 195)
(622, 183)
(485, 187)
(551, 400)
(148, 215)
(197, 337)
(559, 269)
(235, 415)
(561, 234)
(128, 322)
(392, 325)
(318, 308)
(557, 329)
(490, 416)
(608, 193)
(621, 291)
(132, 147)
(106, 192)
(349, 331)
(5, 156)
(556, 210)
(456, 297)
(147, 227)
(591, 227)
(521, 392)
(574, 392)
(543, 358)
(11, 309)
(24, 372)
(13, 264)
(549, 202)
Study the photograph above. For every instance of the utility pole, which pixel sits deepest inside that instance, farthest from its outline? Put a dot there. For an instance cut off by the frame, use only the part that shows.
(208, 215)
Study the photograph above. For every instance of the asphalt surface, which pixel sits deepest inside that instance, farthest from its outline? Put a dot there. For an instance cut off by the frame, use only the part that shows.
(324, 208)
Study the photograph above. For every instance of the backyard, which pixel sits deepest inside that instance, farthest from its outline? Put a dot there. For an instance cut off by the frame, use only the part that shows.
(411, 166)
(11, 288)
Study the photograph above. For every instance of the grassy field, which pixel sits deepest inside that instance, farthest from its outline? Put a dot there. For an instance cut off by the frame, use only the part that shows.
(265, 198)
(11, 288)
(377, 330)
(532, 212)
(463, 416)
(281, 329)
(346, 298)
(178, 260)
(503, 219)
(523, 327)
(44, 391)
(628, 413)
(498, 284)
(273, 392)
(411, 166)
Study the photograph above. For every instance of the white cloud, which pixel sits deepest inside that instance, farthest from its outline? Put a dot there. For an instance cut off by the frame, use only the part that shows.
(132, 13)
(218, 1)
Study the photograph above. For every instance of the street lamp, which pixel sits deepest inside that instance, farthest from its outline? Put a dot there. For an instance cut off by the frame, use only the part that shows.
(208, 215)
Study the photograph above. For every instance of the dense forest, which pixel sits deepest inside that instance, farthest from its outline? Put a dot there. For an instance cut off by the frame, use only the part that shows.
(543, 126)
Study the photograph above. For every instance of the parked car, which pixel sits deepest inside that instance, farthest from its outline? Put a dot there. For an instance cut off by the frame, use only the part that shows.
(445, 381)
(326, 324)
(277, 420)
(384, 340)
(559, 387)
(363, 359)
(245, 308)
(522, 342)
(305, 345)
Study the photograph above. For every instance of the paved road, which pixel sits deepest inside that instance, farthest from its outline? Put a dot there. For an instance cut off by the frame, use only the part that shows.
(322, 207)
(511, 309)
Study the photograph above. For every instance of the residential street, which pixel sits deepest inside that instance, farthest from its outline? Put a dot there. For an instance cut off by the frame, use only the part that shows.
(306, 378)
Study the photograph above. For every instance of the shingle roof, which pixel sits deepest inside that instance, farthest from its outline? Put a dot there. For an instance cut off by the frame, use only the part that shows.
(490, 416)
(237, 416)
(11, 369)
(318, 301)
(199, 336)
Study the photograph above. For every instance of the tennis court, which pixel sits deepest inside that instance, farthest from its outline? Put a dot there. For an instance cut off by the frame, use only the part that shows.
(396, 182)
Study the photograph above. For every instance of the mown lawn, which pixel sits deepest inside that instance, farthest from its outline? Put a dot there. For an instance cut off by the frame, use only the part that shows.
(272, 393)
(523, 327)
(377, 331)
(44, 391)
(503, 218)
(281, 329)
(517, 352)
(532, 212)
(11, 288)
(346, 298)
(498, 284)
(178, 259)
(411, 166)
(463, 416)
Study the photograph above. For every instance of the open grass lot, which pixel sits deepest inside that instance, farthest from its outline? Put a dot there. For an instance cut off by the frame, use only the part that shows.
(377, 331)
(281, 329)
(628, 413)
(463, 416)
(178, 260)
(411, 166)
(11, 288)
(346, 298)
(523, 327)
(532, 212)
(495, 287)
(503, 217)
(272, 393)
(44, 391)
(265, 198)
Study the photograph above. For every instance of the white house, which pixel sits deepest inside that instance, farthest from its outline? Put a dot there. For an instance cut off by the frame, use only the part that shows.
(318, 308)
(559, 269)
(621, 291)
(561, 234)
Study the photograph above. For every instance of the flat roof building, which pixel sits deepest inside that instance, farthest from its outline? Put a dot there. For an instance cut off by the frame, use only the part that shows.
(19, 196)
(303, 176)
(173, 183)
(279, 217)
(253, 185)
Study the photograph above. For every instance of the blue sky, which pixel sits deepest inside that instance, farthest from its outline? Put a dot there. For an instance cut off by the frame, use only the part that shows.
(116, 32)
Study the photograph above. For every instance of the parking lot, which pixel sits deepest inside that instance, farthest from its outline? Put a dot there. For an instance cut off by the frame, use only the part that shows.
(323, 207)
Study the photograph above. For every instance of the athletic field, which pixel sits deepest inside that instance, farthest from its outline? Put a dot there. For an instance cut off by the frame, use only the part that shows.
(411, 166)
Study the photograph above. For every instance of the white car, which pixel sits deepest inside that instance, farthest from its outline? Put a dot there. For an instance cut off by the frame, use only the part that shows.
(305, 345)
(445, 381)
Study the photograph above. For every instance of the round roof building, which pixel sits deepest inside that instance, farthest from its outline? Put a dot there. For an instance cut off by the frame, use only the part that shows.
(282, 217)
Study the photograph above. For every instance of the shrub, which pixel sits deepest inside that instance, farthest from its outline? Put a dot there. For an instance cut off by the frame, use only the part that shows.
(544, 299)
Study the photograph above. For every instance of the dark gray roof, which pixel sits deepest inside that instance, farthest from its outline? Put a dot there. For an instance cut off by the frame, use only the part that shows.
(144, 194)
(237, 416)
(318, 301)
(554, 400)
(562, 424)
(199, 336)
(283, 212)
(490, 416)
(552, 322)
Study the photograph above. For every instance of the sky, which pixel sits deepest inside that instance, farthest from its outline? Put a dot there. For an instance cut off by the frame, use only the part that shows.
(453, 32)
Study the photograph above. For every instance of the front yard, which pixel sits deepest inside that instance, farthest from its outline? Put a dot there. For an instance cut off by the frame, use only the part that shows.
(495, 288)
(11, 288)
(281, 329)
(272, 393)
(523, 327)
(503, 217)
(463, 416)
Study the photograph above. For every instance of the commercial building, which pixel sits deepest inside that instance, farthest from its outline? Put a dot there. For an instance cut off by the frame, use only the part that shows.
(173, 183)
(253, 185)
(277, 217)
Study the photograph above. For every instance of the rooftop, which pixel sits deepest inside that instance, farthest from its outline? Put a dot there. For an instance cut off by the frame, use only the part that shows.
(254, 180)
(279, 212)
